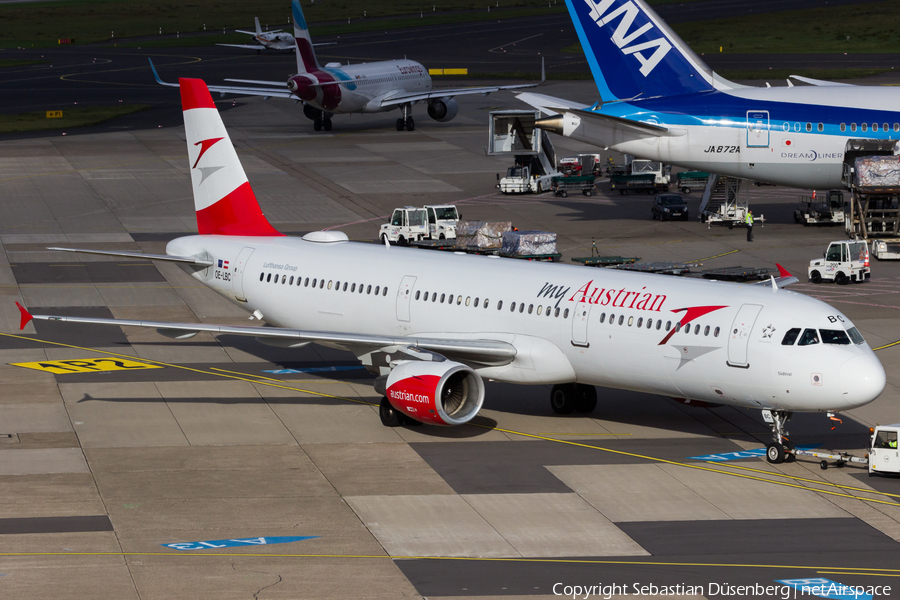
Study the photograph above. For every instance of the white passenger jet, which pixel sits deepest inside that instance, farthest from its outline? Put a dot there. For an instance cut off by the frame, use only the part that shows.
(337, 89)
(434, 326)
(266, 40)
(660, 101)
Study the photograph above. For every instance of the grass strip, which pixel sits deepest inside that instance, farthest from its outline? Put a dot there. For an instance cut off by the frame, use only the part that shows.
(72, 118)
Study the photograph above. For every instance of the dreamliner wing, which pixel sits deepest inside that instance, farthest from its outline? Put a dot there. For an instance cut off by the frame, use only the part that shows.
(402, 97)
(481, 352)
(820, 82)
(549, 104)
(283, 92)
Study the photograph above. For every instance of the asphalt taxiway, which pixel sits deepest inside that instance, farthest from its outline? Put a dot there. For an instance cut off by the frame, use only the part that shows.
(159, 481)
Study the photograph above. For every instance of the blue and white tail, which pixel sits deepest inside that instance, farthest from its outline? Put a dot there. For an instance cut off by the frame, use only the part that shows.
(306, 58)
(633, 53)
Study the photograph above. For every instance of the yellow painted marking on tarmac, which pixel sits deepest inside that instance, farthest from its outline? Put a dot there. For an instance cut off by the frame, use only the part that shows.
(191, 369)
(698, 467)
(817, 482)
(716, 256)
(85, 365)
(856, 573)
(892, 344)
(635, 563)
(494, 428)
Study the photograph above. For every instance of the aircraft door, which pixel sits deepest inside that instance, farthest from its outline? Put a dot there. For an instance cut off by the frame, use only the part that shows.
(403, 297)
(237, 274)
(580, 324)
(757, 129)
(739, 335)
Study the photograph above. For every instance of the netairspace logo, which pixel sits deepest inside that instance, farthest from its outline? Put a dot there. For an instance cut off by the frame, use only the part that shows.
(791, 589)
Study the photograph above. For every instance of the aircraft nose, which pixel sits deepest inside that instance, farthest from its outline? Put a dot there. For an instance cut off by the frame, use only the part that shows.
(862, 379)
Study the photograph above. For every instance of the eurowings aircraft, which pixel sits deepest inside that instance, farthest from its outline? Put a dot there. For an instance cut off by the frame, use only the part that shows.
(660, 101)
(266, 40)
(337, 89)
(433, 326)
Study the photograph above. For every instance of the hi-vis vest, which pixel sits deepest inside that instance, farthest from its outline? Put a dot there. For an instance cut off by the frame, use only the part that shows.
(749, 219)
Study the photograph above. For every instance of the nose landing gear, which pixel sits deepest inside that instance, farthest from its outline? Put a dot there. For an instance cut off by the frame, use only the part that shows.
(780, 449)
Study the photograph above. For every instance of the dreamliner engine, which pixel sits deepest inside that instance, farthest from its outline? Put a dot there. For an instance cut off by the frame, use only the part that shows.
(443, 110)
(302, 87)
(437, 393)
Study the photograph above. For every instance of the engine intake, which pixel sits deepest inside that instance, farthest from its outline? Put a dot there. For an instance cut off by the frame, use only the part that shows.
(437, 393)
(443, 110)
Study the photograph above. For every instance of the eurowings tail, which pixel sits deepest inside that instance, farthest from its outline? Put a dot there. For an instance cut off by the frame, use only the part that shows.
(634, 54)
(306, 58)
(223, 199)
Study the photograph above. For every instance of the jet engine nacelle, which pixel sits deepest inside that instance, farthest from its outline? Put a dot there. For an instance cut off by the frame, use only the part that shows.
(443, 110)
(437, 393)
(302, 87)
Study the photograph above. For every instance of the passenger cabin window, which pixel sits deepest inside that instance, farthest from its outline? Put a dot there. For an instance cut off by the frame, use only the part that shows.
(843, 127)
(261, 275)
(834, 336)
(268, 278)
(809, 337)
(864, 126)
(790, 337)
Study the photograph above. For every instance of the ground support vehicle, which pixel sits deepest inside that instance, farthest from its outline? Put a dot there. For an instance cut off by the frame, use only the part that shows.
(513, 133)
(721, 202)
(871, 175)
(407, 224)
(561, 186)
(826, 211)
(886, 249)
(883, 455)
(688, 181)
(665, 268)
(737, 273)
(844, 261)
(442, 221)
(647, 176)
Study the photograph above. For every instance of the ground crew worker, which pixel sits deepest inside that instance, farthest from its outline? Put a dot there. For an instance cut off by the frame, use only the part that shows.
(892, 444)
(749, 221)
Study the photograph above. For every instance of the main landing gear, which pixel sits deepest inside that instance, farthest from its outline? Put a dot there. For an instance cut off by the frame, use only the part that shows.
(322, 121)
(407, 121)
(569, 397)
(779, 450)
(391, 417)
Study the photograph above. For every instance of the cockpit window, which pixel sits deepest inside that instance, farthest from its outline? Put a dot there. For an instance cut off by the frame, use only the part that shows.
(809, 337)
(855, 336)
(790, 337)
(835, 336)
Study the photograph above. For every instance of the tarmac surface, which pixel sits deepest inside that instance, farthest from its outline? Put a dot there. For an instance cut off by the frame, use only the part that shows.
(136, 466)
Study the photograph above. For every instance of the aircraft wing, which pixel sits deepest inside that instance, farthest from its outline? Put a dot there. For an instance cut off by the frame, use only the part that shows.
(246, 46)
(403, 97)
(191, 260)
(820, 82)
(549, 104)
(485, 352)
(283, 92)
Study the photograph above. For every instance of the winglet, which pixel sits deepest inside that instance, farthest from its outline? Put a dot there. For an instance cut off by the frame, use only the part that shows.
(156, 76)
(26, 317)
(782, 272)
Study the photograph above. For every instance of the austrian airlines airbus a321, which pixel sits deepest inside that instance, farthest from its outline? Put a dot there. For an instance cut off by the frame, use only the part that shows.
(434, 326)
(660, 101)
(362, 88)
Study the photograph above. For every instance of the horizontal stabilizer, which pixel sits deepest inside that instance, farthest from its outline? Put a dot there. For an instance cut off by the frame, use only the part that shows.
(165, 257)
(244, 46)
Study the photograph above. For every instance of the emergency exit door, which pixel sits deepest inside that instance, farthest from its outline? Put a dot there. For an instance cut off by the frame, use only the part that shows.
(757, 129)
(739, 335)
(580, 324)
(403, 297)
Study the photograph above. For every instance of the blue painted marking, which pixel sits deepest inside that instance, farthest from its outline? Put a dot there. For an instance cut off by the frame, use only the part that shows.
(826, 588)
(312, 370)
(755, 453)
(258, 541)
(299, 21)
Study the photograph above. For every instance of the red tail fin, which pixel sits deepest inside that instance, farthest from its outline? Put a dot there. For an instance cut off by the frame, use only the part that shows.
(26, 317)
(223, 199)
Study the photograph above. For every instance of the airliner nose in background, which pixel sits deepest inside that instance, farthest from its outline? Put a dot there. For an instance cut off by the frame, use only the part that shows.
(658, 100)
(432, 326)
